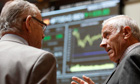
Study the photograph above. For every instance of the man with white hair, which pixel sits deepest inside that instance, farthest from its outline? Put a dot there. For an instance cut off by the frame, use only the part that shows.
(121, 40)
(21, 60)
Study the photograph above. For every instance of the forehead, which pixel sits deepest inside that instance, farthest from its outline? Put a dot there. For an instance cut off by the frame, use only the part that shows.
(108, 28)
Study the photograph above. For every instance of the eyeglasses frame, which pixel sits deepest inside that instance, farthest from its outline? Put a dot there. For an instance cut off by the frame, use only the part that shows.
(44, 28)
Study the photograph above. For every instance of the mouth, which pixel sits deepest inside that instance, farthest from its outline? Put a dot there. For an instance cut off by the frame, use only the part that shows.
(108, 49)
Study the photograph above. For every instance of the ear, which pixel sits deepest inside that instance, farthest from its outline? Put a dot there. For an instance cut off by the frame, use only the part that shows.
(28, 23)
(127, 32)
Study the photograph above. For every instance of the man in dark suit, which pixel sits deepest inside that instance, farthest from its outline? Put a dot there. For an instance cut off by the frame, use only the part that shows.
(21, 60)
(121, 40)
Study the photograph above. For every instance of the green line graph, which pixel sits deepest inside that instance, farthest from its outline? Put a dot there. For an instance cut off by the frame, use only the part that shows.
(79, 67)
(88, 38)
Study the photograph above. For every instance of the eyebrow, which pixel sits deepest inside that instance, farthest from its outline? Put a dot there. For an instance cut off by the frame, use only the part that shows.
(105, 33)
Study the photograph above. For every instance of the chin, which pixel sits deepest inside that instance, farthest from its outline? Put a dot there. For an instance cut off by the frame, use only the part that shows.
(113, 59)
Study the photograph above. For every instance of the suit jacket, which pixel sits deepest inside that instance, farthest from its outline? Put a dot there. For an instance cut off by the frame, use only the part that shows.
(128, 71)
(23, 64)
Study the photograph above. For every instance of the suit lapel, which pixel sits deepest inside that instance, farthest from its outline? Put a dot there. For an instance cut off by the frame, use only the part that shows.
(106, 81)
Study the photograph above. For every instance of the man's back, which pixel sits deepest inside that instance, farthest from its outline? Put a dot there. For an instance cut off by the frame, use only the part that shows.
(22, 64)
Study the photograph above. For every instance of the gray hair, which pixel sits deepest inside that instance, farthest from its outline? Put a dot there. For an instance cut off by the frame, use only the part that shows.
(121, 21)
(13, 13)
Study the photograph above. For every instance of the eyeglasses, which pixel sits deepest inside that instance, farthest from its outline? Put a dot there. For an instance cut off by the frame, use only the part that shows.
(44, 24)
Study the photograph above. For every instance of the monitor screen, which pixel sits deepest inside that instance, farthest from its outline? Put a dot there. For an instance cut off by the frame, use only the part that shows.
(73, 35)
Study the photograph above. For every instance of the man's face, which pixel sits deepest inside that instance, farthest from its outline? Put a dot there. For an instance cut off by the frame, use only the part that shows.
(113, 42)
(37, 34)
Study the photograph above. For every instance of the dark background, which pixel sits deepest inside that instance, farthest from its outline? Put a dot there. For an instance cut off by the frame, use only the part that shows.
(43, 4)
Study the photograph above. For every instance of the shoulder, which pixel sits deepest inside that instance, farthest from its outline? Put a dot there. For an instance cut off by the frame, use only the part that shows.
(40, 52)
(134, 53)
(31, 53)
(132, 58)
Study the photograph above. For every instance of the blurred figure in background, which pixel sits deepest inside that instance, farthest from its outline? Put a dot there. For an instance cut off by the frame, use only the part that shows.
(121, 40)
(21, 60)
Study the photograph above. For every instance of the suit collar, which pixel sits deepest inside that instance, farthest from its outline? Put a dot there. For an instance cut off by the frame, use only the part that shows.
(14, 38)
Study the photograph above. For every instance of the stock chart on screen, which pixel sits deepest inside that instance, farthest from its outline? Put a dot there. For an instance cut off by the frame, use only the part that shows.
(73, 35)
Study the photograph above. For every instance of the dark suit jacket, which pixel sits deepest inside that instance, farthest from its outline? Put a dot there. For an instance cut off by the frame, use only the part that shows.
(128, 71)
(23, 64)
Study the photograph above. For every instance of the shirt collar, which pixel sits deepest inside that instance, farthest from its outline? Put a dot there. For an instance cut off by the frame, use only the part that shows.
(129, 49)
(15, 38)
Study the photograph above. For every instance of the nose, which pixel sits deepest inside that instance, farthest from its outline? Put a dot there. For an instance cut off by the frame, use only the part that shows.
(103, 43)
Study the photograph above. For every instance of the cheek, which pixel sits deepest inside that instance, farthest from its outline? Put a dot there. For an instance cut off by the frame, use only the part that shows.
(114, 44)
(40, 34)
(117, 47)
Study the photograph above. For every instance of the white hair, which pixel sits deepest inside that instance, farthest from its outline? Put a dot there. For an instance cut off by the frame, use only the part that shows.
(121, 21)
(13, 13)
